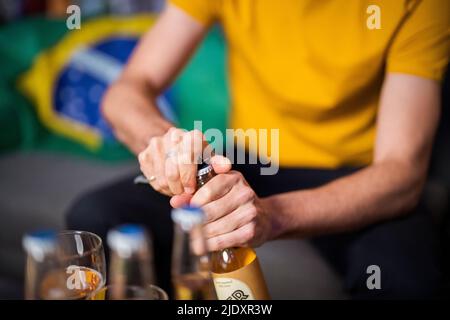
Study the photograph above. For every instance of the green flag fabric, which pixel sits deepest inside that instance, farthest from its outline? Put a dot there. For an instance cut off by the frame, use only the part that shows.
(52, 81)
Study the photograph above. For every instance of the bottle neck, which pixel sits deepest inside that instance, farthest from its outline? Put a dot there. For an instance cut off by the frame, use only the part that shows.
(204, 174)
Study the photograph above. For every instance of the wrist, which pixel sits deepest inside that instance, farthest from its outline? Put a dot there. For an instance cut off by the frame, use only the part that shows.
(288, 218)
(274, 211)
(151, 129)
(158, 127)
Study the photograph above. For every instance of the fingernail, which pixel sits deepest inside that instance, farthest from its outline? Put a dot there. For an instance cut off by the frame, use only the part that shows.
(189, 190)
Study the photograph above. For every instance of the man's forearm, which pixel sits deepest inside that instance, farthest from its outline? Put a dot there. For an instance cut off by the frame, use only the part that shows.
(378, 192)
(130, 109)
(129, 105)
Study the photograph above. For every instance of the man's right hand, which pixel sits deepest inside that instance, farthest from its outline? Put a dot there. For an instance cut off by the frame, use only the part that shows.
(170, 162)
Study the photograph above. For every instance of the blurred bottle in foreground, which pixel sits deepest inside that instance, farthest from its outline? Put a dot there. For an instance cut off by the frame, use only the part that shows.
(40, 248)
(131, 262)
(191, 268)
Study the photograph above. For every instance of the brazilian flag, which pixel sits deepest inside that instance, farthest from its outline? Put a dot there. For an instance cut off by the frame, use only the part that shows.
(52, 81)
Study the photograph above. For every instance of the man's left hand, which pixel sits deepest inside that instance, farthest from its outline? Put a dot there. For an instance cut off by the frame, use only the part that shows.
(234, 215)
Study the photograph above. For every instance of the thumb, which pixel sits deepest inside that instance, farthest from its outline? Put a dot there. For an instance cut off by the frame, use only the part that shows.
(221, 164)
(180, 200)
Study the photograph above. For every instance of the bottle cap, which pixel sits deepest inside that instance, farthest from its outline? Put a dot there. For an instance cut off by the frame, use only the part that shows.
(188, 217)
(40, 243)
(204, 169)
(127, 239)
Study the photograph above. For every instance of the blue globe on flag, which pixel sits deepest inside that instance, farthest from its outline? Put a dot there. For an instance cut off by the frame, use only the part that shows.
(83, 81)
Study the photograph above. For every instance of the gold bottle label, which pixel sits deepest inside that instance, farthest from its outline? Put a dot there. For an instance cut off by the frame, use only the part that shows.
(246, 283)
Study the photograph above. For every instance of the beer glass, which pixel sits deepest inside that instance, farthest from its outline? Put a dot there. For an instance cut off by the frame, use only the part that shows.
(72, 267)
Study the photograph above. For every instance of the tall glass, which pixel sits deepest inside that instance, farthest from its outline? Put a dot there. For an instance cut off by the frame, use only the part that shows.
(72, 271)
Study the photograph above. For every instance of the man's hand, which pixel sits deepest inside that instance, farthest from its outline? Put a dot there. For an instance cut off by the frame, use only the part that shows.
(235, 216)
(170, 161)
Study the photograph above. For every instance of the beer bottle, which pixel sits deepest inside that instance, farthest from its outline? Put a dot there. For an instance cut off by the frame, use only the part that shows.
(131, 259)
(236, 272)
(191, 268)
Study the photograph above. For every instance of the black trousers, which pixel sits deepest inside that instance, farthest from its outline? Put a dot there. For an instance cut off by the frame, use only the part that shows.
(405, 249)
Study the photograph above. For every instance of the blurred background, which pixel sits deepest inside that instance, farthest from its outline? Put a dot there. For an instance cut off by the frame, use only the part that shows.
(54, 143)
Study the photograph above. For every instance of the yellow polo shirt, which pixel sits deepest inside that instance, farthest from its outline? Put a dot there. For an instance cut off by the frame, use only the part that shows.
(314, 68)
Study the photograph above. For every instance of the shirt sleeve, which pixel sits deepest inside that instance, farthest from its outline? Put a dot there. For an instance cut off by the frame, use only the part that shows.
(422, 44)
(204, 11)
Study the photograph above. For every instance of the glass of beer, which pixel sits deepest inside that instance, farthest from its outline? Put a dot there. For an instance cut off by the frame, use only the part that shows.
(69, 267)
(149, 292)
